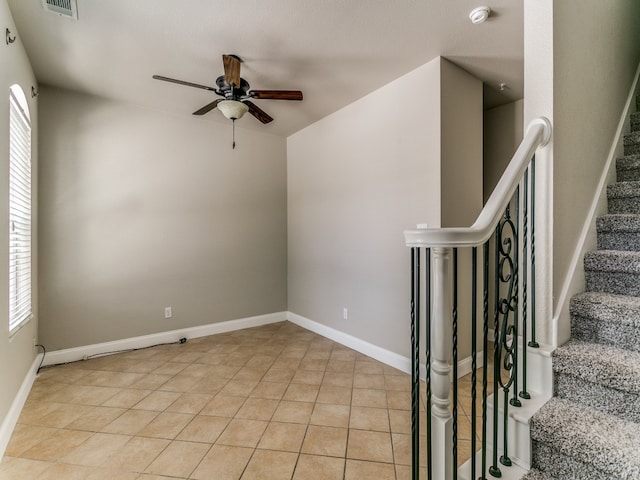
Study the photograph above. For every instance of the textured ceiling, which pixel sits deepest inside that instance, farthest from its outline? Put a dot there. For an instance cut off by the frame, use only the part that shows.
(335, 51)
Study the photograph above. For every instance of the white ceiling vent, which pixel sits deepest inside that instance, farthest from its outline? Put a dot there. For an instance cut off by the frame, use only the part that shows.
(65, 8)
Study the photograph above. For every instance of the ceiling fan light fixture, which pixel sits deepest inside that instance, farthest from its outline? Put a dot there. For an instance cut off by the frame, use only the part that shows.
(233, 109)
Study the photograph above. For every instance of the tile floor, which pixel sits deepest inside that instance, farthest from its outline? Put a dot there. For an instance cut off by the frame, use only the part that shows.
(273, 402)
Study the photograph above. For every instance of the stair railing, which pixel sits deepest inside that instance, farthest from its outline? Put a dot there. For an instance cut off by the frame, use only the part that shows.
(505, 233)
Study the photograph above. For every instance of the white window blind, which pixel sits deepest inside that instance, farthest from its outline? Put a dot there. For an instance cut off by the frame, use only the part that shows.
(19, 214)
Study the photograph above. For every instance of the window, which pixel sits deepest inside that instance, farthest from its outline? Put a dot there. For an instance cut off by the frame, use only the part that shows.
(19, 209)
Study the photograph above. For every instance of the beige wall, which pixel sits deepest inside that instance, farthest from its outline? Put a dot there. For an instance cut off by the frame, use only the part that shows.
(503, 132)
(356, 180)
(142, 210)
(16, 352)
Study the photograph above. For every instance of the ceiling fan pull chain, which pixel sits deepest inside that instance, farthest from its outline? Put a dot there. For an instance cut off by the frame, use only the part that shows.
(233, 121)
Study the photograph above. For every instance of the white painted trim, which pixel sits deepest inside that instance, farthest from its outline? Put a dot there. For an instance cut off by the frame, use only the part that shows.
(78, 353)
(11, 419)
(600, 193)
(383, 355)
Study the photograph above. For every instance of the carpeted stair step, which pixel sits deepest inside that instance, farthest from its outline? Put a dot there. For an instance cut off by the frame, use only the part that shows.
(635, 122)
(628, 168)
(537, 475)
(624, 197)
(607, 319)
(613, 271)
(631, 143)
(575, 442)
(588, 373)
(619, 232)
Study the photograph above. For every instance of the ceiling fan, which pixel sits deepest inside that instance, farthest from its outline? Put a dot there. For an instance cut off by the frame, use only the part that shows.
(235, 93)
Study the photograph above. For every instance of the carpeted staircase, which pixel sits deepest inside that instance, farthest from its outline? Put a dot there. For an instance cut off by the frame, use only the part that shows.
(591, 428)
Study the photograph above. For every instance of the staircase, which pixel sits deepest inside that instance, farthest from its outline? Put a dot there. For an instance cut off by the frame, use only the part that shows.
(591, 428)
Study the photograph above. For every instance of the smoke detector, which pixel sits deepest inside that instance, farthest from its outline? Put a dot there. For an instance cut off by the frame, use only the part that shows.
(479, 15)
(64, 8)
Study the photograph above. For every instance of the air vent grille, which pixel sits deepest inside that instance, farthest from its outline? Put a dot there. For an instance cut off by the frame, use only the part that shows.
(66, 8)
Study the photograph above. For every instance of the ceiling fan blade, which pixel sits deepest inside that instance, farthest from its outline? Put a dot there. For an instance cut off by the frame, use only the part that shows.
(182, 82)
(277, 94)
(257, 112)
(208, 107)
(231, 69)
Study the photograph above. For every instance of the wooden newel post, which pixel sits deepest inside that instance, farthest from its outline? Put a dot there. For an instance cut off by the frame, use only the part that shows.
(441, 345)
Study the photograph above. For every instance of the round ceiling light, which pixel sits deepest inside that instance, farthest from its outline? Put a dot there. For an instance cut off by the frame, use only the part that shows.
(479, 15)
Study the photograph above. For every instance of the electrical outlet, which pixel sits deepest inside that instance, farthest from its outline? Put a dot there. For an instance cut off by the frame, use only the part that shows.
(35, 342)
(168, 312)
(345, 313)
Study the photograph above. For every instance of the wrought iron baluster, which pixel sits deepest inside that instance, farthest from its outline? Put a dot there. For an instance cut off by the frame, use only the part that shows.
(494, 470)
(533, 343)
(485, 352)
(415, 362)
(455, 363)
(474, 366)
(525, 210)
(428, 360)
(516, 311)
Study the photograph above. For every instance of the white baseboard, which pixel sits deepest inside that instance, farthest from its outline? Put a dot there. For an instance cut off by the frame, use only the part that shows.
(10, 420)
(383, 355)
(78, 353)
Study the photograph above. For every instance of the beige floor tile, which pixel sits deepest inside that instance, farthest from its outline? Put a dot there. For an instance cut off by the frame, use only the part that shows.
(109, 379)
(271, 390)
(330, 415)
(204, 429)
(338, 379)
(58, 471)
(314, 467)
(368, 418)
(358, 470)
(400, 420)
(130, 422)
(240, 388)
(369, 367)
(56, 445)
(313, 365)
(404, 472)
(402, 449)
(166, 425)
(258, 409)
(293, 412)
(223, 463)
(136, 454)
(225, 372)
(179, 459)
(126, 398)
(96, 450)
(84, 395)
(22, 468)
(279, 375)
(325, 441)
(371, 446)
(367, 397)
(398, 400)
(286, 437)
(223, 406)
(308, 377)
(300, 392)
(170, 368)
(270, 465)
(61, 415)
(250, 373)
(151, 381)
(398, 382)
(340, 366)
(157, 401)
(179, 383)
(243, 433)
(191, 403)
(362, 380)
(96, 418)
(209, 386)
(26, 436)
(334, 395)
